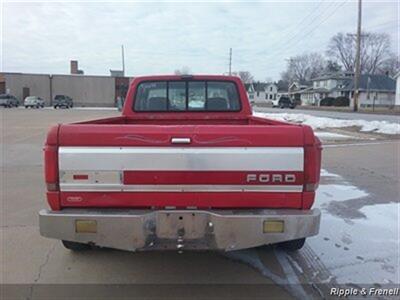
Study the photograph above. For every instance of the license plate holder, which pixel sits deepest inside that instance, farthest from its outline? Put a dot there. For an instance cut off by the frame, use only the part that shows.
(181, 224)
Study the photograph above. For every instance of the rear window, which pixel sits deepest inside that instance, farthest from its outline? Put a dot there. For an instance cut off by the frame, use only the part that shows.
(159, 96)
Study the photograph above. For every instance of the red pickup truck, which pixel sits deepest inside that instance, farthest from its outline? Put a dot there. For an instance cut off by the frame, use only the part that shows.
(186, 166)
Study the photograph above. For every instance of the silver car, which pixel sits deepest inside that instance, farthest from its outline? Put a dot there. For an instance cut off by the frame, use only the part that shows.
(33, 101)
(8, 100)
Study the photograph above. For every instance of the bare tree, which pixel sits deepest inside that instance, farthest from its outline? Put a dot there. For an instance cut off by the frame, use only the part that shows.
(390, 66)
(375, 49)
(185, 70)
(245, 76)
(282, 85)
(303, 67)
(332, 67)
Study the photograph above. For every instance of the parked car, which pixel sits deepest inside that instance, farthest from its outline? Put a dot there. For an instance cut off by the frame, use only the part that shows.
(62, 101)
(275, 102)
(286, 102)
(8, 100)
(211, 177)
(34, 102)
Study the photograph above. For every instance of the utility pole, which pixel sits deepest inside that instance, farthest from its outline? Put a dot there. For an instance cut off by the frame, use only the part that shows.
(123, 60)
(358, 58)
(230, 61)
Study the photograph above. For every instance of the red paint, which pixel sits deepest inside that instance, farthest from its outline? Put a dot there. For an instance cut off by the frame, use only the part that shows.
(158, 135)
(205, 177)
(80, 177)
(312, 165)
(51, 168)
(308, 200)
(53, 199)
(183, 199)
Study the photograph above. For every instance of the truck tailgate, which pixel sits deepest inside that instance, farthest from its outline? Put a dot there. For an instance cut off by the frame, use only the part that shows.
(185, 166)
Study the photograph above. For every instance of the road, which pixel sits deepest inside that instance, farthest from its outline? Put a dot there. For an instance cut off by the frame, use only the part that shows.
(31, 260)
(333, 114)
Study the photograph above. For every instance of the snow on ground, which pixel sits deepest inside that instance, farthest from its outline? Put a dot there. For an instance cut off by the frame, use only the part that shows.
(327, 136)
(358, 251)
(321, 122)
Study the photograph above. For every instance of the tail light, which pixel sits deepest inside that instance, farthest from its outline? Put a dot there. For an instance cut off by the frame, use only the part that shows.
(51, 168)
(312, 167)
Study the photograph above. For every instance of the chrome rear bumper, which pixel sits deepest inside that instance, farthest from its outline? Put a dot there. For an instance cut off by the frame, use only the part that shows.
(179, 229)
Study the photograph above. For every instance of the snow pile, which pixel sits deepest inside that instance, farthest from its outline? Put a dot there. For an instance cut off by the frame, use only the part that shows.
(321, 122)
(333, 136)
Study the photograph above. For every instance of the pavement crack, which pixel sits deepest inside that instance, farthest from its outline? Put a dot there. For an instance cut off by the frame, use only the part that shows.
(39, 274)
(41, 267)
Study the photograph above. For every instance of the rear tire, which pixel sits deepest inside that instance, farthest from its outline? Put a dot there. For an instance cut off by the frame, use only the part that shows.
(293, 245)
(74, 246)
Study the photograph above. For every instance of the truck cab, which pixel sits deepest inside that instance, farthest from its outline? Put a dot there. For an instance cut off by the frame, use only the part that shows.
(186, 166)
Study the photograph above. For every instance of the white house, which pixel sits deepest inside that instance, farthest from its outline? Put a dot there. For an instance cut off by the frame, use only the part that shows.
(260, 92)
(374, 90)
(327, 85)
(295, 91)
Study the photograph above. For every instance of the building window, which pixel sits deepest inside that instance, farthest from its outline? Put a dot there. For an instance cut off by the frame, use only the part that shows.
(270, 96)
(270, 88)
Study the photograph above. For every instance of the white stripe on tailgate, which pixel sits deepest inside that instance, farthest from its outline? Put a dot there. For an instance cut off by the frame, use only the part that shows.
(181, 159)
(178, 188)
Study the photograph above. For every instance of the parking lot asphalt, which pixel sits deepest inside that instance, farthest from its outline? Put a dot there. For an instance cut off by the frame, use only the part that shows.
(27, 258)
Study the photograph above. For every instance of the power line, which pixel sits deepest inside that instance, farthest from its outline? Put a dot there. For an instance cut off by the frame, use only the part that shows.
(299, 34)
(304, 19)
(302, 38)
(289, 36)
(383, 25)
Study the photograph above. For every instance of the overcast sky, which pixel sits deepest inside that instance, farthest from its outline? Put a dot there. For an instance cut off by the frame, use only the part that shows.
(159, 37)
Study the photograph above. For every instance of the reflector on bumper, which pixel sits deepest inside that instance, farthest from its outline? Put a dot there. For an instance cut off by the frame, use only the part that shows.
(274, 226)
(85, 226)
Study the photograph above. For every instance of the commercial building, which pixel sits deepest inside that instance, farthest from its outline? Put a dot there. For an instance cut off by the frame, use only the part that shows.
(85, 90)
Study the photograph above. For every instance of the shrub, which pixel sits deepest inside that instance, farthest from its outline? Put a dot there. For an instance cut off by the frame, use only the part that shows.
(328, 101)
(341, 101)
